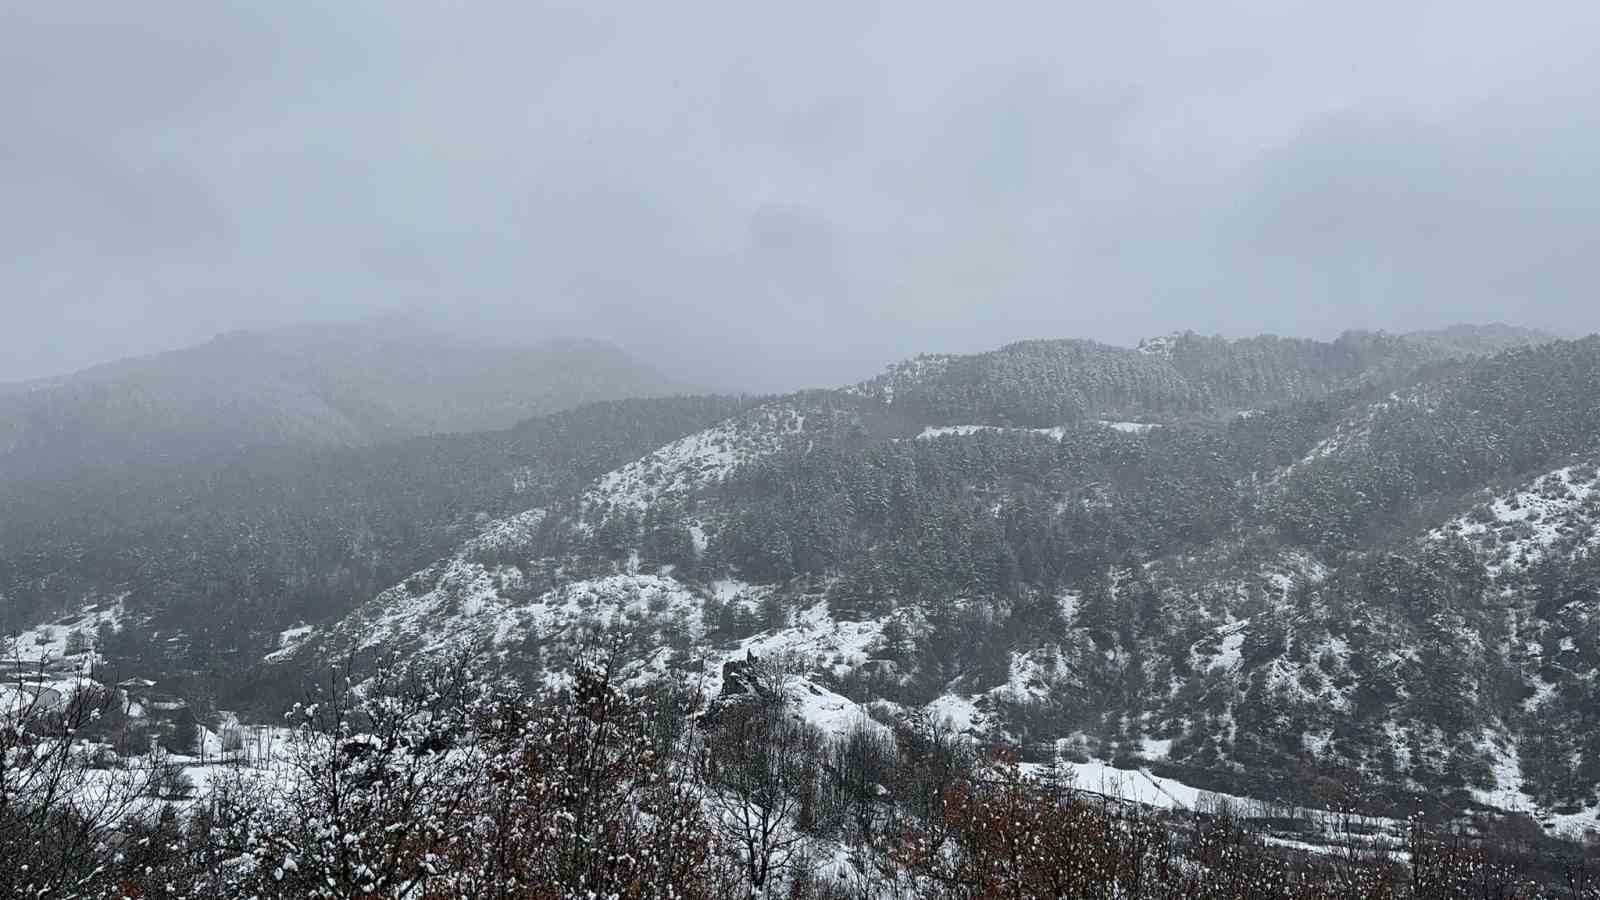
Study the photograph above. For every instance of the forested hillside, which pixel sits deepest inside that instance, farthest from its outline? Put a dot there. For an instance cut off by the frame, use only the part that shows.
(211, 562)
(1349, 587)
(1253, 600)
(1190, 588)
(1043, 383)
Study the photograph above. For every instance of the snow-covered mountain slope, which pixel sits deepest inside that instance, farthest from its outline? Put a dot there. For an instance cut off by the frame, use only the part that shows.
(510, 605)
(66, 642)
(1352, 433)
(1559, 512)
(1141, 591)
(475, 609)
(699, 460)
(484, 589)
(472, 606)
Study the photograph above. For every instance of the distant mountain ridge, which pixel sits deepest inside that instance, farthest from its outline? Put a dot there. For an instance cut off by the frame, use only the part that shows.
(1042, 383)
(1478, 340)
(328, 386)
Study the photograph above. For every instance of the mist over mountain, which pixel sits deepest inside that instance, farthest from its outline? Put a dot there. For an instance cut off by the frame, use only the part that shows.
(307, 386)
(887, 450)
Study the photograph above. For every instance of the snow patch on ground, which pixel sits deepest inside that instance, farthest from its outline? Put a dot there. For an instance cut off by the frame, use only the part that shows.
(1132, 427)
(1507, 794)
(1151, 748)
(1542, 692)
(1133, 785)
(834, 714)
(938, 431)
(289, 641)
(735, 589)
(1577, 826)
(1159, 346)
(1229, 655)
(961, 713)
(815, 641)
(1033, 675)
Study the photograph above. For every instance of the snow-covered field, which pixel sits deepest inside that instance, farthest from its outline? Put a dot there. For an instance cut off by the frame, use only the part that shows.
(1134, 785)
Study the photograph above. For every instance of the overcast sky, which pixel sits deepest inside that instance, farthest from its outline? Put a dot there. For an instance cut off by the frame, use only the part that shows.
(774, 194)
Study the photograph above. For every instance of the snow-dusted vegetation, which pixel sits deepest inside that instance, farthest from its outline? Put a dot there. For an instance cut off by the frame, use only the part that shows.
(428, 780)
(872, 639)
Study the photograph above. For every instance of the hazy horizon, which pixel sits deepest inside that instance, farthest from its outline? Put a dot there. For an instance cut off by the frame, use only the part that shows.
(775, 197)
(532, 340)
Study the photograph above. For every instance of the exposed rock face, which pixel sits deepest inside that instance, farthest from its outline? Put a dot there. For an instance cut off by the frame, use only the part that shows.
(739, 677)
(741, 686)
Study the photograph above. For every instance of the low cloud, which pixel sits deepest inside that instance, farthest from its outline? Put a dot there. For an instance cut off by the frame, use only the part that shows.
(766, 196)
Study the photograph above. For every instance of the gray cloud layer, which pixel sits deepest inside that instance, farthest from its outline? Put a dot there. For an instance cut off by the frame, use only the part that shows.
(773, 194)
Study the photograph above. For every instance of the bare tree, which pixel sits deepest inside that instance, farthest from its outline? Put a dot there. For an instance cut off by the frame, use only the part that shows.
(762, 769)
(59, 808)
(766, 765)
